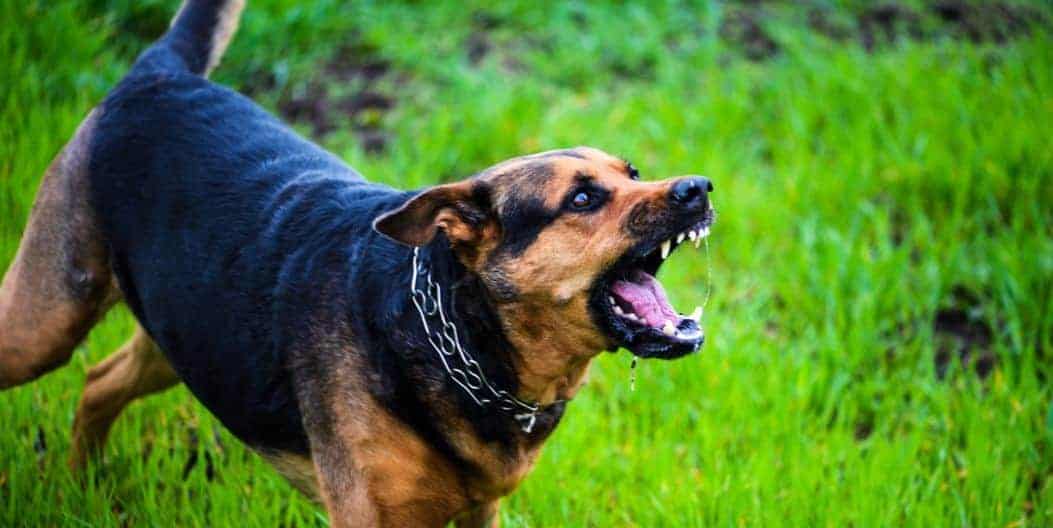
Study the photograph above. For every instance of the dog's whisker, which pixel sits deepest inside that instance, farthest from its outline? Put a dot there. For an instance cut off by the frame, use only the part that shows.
(709, 284)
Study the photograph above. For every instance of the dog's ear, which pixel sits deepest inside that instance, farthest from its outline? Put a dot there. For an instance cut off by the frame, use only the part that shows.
(461, 210)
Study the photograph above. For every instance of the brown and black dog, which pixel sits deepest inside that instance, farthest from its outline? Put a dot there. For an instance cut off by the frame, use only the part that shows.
(400, 356)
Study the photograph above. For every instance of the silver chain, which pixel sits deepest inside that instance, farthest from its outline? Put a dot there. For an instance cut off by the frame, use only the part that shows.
(447, 344)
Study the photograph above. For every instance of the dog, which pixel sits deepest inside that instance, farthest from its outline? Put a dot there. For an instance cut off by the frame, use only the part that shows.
(399, 356)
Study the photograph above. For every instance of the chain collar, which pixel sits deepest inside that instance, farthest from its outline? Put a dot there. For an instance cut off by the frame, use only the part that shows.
(460, 366)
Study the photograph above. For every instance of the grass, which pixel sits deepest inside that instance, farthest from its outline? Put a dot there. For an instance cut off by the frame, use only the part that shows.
(865, 200)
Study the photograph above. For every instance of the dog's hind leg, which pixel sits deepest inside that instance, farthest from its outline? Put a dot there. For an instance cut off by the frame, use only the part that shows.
(137, 369)
(60, 281)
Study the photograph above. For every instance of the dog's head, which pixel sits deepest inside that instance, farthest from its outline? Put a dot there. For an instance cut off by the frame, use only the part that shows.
(568, 243)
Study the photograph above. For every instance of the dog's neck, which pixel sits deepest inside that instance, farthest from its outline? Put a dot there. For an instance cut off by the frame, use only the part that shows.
(544, 368)
(547, 368)
(467, 306)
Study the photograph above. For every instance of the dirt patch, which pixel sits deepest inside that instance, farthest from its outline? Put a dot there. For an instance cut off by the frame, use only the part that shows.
(987, 21)
(863, 429)
(743, 28)
(958, 19)
(479, 45)
(351, 93)
(884, 23)
(875, 25)
(825, 21)
(486, 21)
(962, 334)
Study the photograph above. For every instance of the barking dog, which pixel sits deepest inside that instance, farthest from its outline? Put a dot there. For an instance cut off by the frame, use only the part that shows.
(399, 356)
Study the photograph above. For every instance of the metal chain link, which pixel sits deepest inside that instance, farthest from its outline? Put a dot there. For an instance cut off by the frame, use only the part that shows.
(445, 340)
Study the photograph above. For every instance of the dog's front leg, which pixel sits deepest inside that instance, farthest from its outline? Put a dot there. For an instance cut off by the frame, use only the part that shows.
(343, 489)
(481, 516)
(387, 482)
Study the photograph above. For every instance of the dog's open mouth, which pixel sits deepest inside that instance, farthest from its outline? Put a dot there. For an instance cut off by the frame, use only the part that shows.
(632, 305)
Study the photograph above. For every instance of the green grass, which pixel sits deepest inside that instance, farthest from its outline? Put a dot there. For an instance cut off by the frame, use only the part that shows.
(859, 194)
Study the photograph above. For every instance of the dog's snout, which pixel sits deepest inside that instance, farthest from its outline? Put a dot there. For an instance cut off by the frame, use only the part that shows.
(690, 192)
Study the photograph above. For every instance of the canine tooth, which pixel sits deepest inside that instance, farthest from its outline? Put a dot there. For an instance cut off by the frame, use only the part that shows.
(692, 235)
(669, 329)
(618, 310)
(679, 238)
(697, 314)
(704, 233)
(698, 242)
(666, 246)
(609, 298)
(632, 316)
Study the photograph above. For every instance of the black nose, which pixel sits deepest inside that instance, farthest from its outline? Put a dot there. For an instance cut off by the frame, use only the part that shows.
(690, 191)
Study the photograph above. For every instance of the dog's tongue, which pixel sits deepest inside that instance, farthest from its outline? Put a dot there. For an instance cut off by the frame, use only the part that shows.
(647, 298)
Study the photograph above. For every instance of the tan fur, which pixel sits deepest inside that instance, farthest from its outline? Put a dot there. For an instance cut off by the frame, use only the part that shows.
(375, 471)
(297, 469)
(59, 283)
(483, 516)
(549, 322)
(229, 16)
(137, 369)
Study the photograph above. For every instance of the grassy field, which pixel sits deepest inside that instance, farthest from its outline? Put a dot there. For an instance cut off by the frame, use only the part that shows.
(880, 345)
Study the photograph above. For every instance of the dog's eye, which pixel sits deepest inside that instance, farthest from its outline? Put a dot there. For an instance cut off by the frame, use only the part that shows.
(633, 173)
(586, 198)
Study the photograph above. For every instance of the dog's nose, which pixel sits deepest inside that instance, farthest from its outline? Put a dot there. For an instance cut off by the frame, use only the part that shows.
(690, 192)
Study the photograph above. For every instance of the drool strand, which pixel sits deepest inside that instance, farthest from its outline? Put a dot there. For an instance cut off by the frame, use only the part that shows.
(632, 375)
(709, 278)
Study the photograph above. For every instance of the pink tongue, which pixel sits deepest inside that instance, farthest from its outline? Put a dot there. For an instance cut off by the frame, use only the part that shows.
(647, 298)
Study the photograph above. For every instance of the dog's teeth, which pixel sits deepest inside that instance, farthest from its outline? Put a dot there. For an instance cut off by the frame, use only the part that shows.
(618, 310)
(609, 298)
(697, 314)
(704, 233)
(666, 246)
(679, 238)
(632, 316)
(698, 242)
(692, 235)
(669, 329)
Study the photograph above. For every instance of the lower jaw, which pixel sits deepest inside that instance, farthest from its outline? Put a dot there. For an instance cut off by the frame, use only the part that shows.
(664, 350)
(651, 346)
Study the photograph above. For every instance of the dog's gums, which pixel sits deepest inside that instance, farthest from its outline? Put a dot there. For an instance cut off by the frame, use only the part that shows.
(633, 306)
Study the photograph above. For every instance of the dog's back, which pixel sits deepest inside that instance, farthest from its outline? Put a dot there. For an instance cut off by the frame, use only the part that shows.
(216, 224)
(223, 225)
(197, 190)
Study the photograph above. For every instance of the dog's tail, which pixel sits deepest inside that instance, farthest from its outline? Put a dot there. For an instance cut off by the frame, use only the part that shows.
(196, 40)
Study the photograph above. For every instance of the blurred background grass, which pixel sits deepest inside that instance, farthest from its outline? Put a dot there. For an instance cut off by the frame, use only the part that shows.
(881, 325)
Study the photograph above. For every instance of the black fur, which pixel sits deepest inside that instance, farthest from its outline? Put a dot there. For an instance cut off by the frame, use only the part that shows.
(409, 376)
(188, 43)
(247, 253)
(524, 214)
(521, 222)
